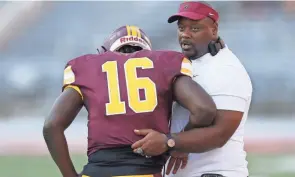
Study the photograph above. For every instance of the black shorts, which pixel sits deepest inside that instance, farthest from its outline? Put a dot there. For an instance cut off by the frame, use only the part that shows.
(122, 162)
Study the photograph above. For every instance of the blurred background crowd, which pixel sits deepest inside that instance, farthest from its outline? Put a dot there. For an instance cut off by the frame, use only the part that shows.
(261, 34)
(38, 38)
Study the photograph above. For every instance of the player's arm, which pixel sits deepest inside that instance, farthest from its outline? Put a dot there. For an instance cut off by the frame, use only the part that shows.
(193, 97)
(64, 111)
(62, 114)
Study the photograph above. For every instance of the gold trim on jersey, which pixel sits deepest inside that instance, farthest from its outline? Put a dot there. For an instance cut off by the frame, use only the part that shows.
(185, 60)
(75, 88)
(186, 67)
(69, 76)
(186, 72)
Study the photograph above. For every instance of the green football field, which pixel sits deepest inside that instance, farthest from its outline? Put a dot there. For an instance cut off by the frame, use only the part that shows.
(43, 166)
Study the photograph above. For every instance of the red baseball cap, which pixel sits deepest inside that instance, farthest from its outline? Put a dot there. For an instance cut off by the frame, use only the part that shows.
(194, 11)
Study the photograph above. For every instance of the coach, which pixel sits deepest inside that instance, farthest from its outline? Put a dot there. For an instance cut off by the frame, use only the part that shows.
(220, 146)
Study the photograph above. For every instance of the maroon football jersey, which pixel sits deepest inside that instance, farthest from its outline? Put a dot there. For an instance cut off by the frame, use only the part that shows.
(125, 92)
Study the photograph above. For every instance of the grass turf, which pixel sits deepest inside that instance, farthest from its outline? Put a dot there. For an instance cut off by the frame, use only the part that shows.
(43, 166)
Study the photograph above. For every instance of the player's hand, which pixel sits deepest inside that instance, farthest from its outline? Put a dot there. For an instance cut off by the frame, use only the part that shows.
(177, 159)
(153, 143)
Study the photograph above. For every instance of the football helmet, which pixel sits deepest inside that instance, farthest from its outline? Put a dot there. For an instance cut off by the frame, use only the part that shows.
(126, 39)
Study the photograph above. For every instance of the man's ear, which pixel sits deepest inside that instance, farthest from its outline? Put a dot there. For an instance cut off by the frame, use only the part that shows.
(215, 31)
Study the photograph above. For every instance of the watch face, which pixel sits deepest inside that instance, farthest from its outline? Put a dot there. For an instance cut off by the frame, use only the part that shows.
(171, 143)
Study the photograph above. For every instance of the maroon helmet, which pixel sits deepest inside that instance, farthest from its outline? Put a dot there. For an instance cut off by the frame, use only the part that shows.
(131, 36)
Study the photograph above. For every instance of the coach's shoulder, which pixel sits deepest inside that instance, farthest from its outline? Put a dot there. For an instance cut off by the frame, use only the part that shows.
(227, 63)
(230, 80)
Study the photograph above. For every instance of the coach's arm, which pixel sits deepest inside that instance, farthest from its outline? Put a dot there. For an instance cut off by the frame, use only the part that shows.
(208, 138)
(204, 139)
(231, 92)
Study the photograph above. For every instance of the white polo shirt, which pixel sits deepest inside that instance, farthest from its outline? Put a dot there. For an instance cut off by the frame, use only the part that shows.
(226, 80)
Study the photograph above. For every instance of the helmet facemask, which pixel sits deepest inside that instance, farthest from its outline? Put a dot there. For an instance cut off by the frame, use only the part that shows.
(129, 49)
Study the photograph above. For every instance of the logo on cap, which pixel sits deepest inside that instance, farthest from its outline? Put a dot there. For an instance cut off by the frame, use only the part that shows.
(186, 6)
(211, 14)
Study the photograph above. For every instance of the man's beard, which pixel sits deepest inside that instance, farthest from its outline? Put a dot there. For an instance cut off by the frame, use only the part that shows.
(194, 55)
(196, 52)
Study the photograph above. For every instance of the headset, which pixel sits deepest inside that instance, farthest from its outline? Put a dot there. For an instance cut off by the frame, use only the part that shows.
(215, 46)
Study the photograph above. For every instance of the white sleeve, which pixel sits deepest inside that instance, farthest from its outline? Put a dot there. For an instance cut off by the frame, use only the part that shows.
(227, 102)
(230, 88)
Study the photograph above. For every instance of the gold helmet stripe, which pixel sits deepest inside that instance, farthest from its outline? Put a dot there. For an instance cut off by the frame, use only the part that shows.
(128, 30)
(133, 31)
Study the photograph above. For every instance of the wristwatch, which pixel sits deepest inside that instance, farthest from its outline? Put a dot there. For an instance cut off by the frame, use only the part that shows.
(170, 142)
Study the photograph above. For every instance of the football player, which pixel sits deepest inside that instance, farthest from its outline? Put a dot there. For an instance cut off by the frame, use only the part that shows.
(125, 87)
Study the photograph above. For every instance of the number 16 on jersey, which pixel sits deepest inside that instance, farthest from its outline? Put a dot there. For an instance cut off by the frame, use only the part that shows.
(133, 83)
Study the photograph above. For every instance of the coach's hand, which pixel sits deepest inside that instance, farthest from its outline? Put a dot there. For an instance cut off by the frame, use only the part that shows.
(153, 143)
(177, 159)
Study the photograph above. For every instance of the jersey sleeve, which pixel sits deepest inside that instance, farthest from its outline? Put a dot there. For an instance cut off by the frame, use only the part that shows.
(70, 79)
(231, 90)
(175, 64)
